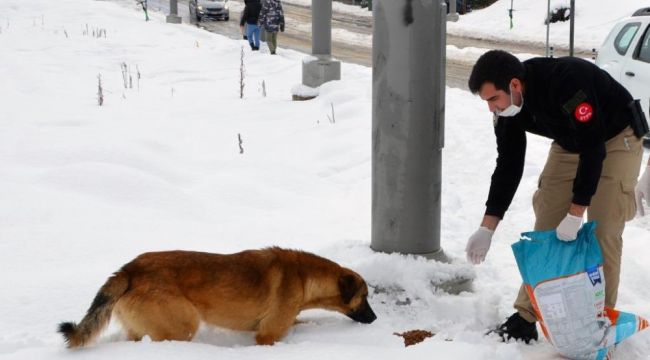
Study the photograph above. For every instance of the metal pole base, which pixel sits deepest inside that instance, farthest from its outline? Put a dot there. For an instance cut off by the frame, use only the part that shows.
(317, 70)
(455, 286)
(451, 287)
(438, 255)
(295, 97)
(174, 19)
(301, 92)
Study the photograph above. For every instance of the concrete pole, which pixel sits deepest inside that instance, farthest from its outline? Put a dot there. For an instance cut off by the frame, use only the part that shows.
(173, 12)
(408, 104)
(572, 27)
(320, 68)
(321, 27)
(453, 12)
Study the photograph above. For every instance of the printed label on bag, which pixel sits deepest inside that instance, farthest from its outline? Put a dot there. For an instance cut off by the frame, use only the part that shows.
(594, 275)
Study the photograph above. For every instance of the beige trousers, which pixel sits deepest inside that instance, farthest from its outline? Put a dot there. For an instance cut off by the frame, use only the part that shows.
(611, 206)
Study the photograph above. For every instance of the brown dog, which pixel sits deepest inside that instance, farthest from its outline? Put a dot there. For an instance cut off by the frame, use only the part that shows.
(165, 295)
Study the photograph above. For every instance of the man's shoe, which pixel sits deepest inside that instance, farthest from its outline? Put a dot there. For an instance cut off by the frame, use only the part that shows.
(517, 328)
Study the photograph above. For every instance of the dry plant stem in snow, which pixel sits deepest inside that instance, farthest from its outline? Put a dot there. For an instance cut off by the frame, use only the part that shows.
(241, 148)
(100, 91)
(124, 74)
(332, 119)
(137, 70)
(242, 74)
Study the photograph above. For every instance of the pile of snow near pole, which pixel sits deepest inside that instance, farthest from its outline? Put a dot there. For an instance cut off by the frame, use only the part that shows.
(566, 285)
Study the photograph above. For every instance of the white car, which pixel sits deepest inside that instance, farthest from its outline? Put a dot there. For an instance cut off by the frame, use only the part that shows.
(625, 55)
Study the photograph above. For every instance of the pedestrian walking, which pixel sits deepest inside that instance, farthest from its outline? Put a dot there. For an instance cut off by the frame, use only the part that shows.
(248, 22)
(272, 20)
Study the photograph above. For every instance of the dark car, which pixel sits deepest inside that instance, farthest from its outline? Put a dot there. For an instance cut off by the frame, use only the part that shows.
(209, 9)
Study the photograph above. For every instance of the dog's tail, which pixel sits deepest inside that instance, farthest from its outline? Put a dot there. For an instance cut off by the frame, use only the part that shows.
(99, 313)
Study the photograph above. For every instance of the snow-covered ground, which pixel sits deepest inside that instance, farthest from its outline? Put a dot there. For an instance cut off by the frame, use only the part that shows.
(593, 20)
(84, 189)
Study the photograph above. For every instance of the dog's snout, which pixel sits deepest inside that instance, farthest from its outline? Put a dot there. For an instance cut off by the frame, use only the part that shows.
(363, 313)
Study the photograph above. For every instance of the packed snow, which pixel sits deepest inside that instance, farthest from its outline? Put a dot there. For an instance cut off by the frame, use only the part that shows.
(593, 20)
(85, 188)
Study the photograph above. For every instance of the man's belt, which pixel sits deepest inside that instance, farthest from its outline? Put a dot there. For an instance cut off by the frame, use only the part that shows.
(638, 122)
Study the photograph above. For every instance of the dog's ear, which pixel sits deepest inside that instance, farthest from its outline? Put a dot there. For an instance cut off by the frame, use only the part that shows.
(348, 287)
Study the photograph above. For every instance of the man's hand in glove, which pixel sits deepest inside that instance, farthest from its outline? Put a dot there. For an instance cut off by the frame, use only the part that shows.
(568, 228)
(478, 245)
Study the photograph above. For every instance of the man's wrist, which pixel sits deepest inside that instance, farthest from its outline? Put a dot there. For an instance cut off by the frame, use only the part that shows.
(577, 210)
(490, 222)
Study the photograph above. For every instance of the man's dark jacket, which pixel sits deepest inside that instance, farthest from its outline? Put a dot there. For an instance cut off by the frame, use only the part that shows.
(251, 13)
(571, 101)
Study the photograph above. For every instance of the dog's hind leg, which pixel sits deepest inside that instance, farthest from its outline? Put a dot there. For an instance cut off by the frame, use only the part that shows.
(163, 316)
(274, 326)
(133, 336)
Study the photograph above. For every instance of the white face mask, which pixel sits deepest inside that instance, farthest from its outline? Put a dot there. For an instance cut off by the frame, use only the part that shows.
(511, 110)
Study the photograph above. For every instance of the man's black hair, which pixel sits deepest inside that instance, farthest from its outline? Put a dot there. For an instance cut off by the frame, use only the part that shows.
(498, 67)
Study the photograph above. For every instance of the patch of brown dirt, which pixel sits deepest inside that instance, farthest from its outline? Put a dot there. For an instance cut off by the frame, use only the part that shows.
(413, 337)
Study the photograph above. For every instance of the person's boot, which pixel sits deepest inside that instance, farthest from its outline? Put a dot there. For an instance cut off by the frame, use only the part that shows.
(252, 46)
(255, 48)
(518, 328)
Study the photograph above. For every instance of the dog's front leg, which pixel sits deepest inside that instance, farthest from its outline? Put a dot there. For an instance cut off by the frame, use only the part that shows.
(274, 326)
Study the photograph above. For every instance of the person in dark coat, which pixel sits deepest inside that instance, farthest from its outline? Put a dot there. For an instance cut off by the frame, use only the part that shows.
(249, 20)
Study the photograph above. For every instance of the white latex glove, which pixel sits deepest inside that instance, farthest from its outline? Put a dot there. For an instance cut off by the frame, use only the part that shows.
(568, 228)
(478, 245)
(642, 192)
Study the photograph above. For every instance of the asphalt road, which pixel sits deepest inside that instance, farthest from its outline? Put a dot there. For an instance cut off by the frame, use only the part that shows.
(297, 36)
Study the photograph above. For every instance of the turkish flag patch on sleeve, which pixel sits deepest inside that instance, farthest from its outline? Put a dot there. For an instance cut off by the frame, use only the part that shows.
(584, 112)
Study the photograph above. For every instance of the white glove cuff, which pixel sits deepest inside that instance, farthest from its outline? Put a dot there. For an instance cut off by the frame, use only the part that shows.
(573, 218)
(483, 229)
